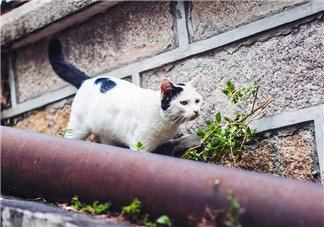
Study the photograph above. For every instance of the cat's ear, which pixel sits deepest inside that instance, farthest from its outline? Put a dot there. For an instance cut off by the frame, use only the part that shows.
(166, 87)
(194, 83)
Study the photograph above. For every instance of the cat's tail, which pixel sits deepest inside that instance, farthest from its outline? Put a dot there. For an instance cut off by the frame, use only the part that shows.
(63, 69)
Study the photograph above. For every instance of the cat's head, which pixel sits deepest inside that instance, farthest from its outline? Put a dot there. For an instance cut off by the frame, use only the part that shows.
(180, 102)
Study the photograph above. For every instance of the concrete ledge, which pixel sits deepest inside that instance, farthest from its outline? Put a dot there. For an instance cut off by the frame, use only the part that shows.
(16, 212)
(22, 26)
(315, 113)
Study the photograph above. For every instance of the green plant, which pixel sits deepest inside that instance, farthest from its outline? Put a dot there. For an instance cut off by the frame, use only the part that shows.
(10, 123)
(71, 132)
(66, 131)
(233, 212)
(222, 138)
(164, 221)
(133, 213)
(95, 208)
(138, 146)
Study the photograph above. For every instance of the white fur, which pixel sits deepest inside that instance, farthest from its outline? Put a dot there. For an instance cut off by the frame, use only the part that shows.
(127, 114)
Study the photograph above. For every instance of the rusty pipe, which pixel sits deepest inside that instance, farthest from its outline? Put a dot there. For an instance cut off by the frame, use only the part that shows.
(35, 164)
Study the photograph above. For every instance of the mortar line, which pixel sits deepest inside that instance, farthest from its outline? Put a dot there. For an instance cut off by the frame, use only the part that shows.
(12, 82)
(182, 26)
(39, 102)
(315, 113)
(287, 119)
(319, 135)
(136, 79)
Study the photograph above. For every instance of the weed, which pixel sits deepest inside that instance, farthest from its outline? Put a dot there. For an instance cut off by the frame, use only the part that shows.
(224, 139)
(133, 213)
(138, 146)
(95, 208)
(10, 123)
(71, 132)
(233, 212)
(164, 221)
(223, 217)
(63, 133)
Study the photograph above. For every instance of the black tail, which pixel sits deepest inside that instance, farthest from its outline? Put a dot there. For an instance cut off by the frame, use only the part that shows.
(63, 69)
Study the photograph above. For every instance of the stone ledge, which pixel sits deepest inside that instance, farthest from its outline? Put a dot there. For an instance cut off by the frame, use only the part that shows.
(18, 24)
(16, 212)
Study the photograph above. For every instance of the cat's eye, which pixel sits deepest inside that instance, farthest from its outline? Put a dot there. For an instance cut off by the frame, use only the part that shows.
(197, 100)
(183, 103)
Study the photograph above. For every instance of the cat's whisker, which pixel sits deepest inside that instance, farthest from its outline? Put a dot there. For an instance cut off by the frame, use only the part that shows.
(177, 120)
(182, 119)
(186, 119)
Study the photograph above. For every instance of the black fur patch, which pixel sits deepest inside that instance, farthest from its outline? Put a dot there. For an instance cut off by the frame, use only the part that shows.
(167, 97)
(106, 84)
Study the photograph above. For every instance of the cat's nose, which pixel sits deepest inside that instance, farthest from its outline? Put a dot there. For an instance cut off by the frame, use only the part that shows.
(196, 112)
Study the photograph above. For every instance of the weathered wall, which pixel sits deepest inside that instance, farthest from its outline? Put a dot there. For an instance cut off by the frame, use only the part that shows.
(285, 61)
(289, 152)
(5, 87)
(212, 18)
(286, 64)
(52, 119)
(122, 35)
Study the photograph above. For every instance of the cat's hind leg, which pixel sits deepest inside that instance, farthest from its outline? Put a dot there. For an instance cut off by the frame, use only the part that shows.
(76, 134)
(77, 131)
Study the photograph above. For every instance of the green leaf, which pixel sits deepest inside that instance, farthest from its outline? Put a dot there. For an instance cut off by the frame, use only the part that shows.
(204, 157)
(230, 86)
(164, 220)
(200, 133)
(96, 208)
(227, 119)
(75, 203)
(225, 91)
(139, 144)
(229, 224)
(133, 211)
(218, 118)
(237, 116)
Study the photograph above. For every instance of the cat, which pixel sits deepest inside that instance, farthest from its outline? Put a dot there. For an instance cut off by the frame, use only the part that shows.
(121, 113)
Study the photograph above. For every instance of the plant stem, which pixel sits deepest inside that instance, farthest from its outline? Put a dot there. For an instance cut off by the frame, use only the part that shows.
(244, 138)
(260, 107)
(258, 110)
(206, 137)
(255, 98)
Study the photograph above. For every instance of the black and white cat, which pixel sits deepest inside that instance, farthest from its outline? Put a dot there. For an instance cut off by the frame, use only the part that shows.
(121, 113)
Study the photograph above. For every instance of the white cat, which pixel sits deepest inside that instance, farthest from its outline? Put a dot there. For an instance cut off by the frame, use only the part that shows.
(121, 113)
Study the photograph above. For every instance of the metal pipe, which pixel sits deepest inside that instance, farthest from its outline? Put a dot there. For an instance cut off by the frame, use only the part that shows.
(53, 167)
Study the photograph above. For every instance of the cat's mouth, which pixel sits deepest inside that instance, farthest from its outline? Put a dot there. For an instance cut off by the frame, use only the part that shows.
(193, 117)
